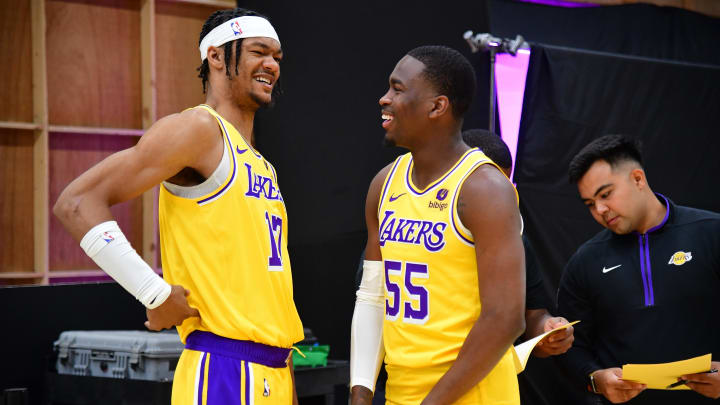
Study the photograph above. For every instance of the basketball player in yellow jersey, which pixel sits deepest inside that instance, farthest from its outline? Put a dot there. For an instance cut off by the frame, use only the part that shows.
(444, 240)
(228, 285)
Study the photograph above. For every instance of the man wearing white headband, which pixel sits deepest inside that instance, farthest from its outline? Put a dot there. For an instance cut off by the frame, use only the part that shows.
(223, 225)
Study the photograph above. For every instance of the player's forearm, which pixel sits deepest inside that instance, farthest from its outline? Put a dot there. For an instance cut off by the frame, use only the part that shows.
(79, 211)
(366, 338)
(485, 345)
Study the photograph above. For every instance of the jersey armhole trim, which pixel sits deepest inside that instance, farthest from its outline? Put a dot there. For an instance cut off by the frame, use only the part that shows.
(461, 231)
(212, 183)
(225, 185)
(387, 182)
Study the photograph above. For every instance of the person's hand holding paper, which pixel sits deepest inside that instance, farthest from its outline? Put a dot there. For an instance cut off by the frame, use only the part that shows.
(609, 382)
(557, 342)
(707, 384)
(662, 376)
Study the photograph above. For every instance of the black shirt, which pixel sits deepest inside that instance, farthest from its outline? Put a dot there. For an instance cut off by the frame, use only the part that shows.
(535, 296)
(646, 298)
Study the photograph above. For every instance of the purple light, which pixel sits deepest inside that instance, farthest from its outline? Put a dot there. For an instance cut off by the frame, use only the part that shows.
(510, 75)
(560, 3)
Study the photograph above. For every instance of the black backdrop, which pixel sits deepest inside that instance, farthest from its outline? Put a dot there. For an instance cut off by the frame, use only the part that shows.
(572, 97)
(649, 72)
(324, 135)
(637, 29)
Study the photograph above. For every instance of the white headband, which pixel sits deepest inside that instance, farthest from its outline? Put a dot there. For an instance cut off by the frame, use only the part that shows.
(240, 27)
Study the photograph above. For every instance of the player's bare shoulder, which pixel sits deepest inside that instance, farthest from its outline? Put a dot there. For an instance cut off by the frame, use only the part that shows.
(486, 187)
(190, 138)
(192, 125)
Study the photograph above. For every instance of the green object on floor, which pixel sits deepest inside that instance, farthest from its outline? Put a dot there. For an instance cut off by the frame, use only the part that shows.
(314, 356)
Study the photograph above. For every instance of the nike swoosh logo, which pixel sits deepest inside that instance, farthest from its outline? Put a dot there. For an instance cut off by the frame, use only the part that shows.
(241, 151)
(610, 268)
(393, 198)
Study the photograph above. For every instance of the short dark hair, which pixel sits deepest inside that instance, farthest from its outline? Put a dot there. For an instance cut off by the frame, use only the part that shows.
(614, 149)
(491, 144)
(450, 73)
(213, 21)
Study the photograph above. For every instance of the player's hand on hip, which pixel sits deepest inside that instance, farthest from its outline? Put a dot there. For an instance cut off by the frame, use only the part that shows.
(172, 312)
(611, 385)
(707, 384)
(558, 342)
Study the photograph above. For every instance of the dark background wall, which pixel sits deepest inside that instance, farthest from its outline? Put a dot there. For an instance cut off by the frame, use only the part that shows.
(651, 73)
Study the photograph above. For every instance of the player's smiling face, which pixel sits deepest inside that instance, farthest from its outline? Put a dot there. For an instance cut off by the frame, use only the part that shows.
(258, 69)
(406, 104)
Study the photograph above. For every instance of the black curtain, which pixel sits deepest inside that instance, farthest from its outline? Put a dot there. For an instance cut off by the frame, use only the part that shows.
(573, 97)
(636, 29)
(324, 135)
(648, 72)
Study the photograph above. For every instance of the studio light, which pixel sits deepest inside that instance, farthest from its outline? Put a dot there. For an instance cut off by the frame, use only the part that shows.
(487, 42)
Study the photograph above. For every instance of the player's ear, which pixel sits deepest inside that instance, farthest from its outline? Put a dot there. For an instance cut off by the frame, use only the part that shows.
(216, 58)
(440, 106)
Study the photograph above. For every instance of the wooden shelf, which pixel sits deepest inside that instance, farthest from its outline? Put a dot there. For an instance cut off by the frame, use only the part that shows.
(76, 273)
(98, 105)
(19, 125)
(69, 129)
(82, 273)
(22, 274)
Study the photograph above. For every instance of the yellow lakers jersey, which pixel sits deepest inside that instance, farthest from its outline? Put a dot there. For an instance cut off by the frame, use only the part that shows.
(431, 291)
(229, 248)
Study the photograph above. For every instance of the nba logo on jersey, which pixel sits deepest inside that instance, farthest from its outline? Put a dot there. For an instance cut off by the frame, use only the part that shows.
(266, 388)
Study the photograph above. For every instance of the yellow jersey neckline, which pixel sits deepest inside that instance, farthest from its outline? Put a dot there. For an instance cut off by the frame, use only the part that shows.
(415, 190)
(250, 147)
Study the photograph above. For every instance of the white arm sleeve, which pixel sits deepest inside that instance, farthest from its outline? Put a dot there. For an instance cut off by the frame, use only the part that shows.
(109, 249)
(366, 342)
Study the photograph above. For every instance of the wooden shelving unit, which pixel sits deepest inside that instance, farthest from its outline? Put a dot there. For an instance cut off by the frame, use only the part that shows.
(102, 73)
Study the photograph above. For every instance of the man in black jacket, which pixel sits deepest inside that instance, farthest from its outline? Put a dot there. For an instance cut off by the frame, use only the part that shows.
(647, 287)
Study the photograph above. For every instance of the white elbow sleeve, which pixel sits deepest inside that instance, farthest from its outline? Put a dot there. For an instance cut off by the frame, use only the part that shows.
(366, 341)
(110, 249)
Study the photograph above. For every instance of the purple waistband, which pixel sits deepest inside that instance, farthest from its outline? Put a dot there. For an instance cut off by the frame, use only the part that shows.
(247, 350)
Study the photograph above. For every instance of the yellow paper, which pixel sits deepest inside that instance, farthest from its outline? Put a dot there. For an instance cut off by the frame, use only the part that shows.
(659, 376)
(521, 352)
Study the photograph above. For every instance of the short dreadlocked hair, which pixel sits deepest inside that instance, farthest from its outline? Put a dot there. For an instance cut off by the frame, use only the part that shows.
(213, 21)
